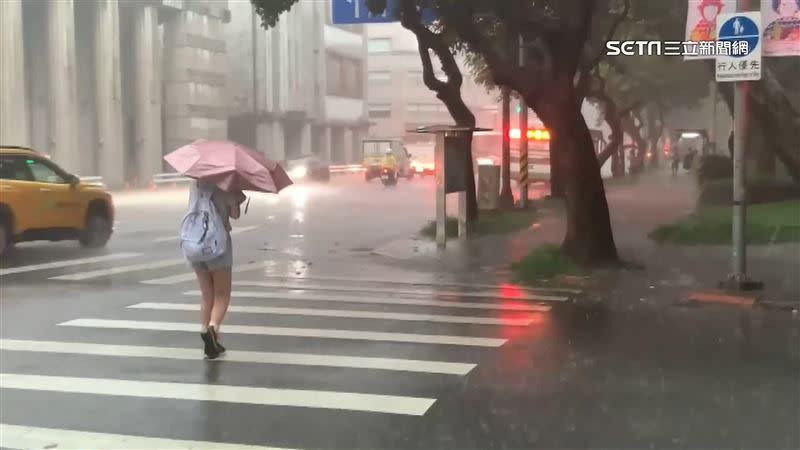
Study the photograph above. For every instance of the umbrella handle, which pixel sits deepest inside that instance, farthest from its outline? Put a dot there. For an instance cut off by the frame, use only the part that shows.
(246, 206)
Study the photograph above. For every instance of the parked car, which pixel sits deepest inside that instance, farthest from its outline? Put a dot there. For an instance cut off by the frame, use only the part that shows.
(311, 168)
(41, 201)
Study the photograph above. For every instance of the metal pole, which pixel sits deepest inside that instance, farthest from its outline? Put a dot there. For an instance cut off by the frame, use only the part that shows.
(738, 278)
(523, 137)
(441, 199)
(255, 72)
(506, 196)
(739, 257)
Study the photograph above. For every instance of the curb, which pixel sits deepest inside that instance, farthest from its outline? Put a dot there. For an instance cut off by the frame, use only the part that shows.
(732, 299)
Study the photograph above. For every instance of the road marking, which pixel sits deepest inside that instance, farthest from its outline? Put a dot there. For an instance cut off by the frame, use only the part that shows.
(297, 359)
(118, 270)
(343, 313)
(303, 398)
(15, 436)
(525, 289)
(326, 333)
(176, 237)
(393, 291)
(182, 278)
(67, 263)
(302, 296)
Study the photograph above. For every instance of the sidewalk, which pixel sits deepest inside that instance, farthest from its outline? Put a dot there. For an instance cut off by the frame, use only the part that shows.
(669, 273)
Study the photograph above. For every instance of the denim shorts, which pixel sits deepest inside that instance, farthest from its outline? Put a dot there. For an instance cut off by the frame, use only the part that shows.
(221, 262)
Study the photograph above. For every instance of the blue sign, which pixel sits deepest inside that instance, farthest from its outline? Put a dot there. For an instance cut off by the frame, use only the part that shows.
(350, 12)
(740, 29)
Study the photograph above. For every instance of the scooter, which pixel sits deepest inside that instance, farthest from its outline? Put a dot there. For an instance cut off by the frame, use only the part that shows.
(388, 177)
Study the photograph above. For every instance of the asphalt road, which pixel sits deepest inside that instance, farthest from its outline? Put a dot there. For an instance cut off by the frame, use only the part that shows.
(330, 349)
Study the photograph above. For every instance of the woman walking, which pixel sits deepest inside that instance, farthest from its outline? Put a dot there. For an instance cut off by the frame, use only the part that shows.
(223, 169)
(214, 276)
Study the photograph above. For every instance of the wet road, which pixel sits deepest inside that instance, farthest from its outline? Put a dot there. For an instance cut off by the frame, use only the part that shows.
(101, 350)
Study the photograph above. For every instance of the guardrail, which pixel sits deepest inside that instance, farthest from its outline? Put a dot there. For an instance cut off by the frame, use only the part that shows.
(346, 168)
(169, 178)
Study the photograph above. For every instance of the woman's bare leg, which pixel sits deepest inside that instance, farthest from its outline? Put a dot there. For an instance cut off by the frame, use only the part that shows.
(221, 280)
(206, 283)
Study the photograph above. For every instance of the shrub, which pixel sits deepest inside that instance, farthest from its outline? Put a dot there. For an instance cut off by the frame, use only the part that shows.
(714, 167)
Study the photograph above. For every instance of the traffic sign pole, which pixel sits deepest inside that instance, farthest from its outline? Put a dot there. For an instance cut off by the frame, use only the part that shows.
(506, 196)
(738, 278)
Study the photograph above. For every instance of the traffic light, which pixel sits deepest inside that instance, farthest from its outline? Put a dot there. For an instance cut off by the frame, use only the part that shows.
(519, 109)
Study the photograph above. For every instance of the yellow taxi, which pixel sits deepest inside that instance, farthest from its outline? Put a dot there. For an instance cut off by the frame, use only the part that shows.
(41, 201)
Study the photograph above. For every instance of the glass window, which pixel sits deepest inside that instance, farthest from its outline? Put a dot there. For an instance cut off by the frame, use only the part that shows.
(429, 108)
(43, 173)
(380, 110)
(380, 75)
(14, 168)
(415, 76)
(382, 45)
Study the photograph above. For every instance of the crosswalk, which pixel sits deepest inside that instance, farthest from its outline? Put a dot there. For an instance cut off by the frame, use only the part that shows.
(339, 349)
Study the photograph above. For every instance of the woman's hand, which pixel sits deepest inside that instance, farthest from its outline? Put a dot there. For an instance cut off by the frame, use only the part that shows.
(236, 200)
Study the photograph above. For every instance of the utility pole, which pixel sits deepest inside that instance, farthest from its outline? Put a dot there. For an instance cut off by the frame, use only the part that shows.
(523, 137)
(506, 199)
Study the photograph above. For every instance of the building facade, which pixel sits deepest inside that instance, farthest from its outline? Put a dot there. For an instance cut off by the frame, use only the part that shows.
(297, 88)
(107, 87)
(398, 98)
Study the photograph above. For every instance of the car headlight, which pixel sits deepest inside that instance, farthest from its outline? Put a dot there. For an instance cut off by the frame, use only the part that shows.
(298, 172)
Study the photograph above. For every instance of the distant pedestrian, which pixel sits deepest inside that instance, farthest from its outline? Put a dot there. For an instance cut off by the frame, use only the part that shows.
(214, 275)
(676, 161)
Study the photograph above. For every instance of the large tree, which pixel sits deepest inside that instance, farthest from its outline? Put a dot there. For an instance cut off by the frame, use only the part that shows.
(430, 41)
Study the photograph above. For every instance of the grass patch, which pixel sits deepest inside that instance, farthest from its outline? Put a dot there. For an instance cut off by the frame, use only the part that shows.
(489, 222)
(544, 262)
(766, 223)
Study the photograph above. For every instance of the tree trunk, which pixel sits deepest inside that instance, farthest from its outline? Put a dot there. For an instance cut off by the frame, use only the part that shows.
(612, 148)
(589, 238)
(640, 148)
(769, 105)
(654, 131)
(557, 188)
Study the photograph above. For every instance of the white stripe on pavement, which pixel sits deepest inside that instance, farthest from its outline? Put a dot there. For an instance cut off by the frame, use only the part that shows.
(118, 270)
(297, 359)
(67, 263)
(303, 398)
(302, 296)
(434, 284)
(15, 436)
(393, 291)
(184, 277)
(293, 332)
(343, 313)
(235, 231)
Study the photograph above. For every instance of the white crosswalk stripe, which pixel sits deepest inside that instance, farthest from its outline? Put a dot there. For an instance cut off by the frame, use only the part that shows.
(393, 291)
(342, 313)
(416, 283)
(312, 297)
(15, 436)
(176, 237)
(67, 263)
(293, 332)
(299, 359)
(293, 376)
(388, 404)
(92, 274)
(184, 277)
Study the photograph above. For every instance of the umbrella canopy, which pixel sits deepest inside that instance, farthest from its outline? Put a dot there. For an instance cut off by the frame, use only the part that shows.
(229, 165)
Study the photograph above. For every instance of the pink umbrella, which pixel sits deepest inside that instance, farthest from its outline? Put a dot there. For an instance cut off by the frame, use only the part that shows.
(229, 165)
